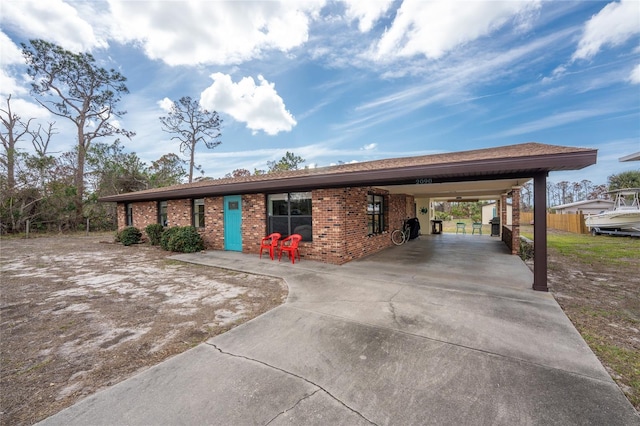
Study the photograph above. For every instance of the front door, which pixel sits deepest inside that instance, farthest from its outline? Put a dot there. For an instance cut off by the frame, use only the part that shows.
(233, 223)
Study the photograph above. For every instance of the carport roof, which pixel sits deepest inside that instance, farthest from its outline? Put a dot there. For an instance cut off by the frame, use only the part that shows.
(512, 161)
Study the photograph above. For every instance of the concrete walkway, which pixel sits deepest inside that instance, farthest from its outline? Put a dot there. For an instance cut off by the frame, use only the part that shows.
(442, 330)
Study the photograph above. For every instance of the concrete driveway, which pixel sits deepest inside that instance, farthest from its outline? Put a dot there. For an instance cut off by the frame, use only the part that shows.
(442, 330)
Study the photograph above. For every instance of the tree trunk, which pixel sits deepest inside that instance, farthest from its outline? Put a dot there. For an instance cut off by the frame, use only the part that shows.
(192, 162)
(79, 178)
(11, 165)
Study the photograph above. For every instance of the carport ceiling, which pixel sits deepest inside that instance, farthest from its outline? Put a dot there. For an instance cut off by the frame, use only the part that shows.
(472, 190)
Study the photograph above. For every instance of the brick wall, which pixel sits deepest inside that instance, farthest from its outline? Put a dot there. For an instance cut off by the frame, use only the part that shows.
(515, 221)
(213, 231)
(328, 215)
(179, 213)
(144, 214)
(120, 215)
(254, 222)
(340, 224)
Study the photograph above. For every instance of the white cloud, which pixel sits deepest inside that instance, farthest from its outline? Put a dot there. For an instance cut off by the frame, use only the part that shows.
(366, 12)
(613, 25)
(165, 104)
(634, 77)
(370, 147)
(26, 110)
(434, 28)
(449, 80)
(9, 52)
(552, 121)
(190, 33)
(9, 85)
(259, 106)
(52, 20)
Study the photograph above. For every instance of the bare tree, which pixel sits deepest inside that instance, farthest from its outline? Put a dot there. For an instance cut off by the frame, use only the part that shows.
(41, 138)
(192, 124)
(72, 86)
(526, 199)
(563, 188)
(13, 130)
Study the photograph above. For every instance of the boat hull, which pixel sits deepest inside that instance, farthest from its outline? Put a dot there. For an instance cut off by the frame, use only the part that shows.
(628, 221)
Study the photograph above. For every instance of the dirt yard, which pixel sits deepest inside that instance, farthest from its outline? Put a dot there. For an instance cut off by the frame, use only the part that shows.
(601, 296)
(81, 313)
(604, 305)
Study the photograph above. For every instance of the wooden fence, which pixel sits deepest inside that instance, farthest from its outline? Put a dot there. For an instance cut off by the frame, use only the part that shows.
(563, 222)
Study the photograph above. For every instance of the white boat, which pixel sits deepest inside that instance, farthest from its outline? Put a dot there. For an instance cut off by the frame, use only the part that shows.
(624, 217)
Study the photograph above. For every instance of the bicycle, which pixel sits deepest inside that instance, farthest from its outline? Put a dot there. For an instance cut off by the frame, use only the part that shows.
(401, 236)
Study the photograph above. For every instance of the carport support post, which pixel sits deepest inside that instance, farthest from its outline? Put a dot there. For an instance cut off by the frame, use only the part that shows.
(540, 232)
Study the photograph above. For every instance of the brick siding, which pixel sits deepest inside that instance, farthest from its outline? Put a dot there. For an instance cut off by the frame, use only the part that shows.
(339, 221)
(254, 222)
(515, 221)
(213, 231)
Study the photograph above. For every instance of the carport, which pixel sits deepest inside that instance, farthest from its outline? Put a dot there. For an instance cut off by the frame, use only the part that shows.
(497, 179)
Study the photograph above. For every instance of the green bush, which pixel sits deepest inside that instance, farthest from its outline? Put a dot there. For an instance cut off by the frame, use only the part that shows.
(526, 249)
(167, 236)
(185, 239)
(442, 216)
(154, 232)
(129, 235)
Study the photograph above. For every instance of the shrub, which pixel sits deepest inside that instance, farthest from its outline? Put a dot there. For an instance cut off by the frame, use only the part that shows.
(154, 232)
(526, 249)
(129, 235)
(442, 216)
(166, 237)
(185, 239)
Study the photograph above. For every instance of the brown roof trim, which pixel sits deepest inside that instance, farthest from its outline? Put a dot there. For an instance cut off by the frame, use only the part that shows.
(522, 161)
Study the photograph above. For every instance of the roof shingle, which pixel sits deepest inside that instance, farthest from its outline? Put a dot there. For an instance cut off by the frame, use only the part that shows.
(523, 158)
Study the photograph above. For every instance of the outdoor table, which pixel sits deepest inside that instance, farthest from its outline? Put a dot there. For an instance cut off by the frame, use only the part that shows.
(436, 226)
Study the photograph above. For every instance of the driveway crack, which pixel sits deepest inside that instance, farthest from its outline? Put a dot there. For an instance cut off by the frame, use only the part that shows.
(296, 376)
(392, 308)
(293, 406)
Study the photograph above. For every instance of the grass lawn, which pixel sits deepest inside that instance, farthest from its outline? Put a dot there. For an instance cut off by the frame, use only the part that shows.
(596, 281)
(592, 250)
(449, 226)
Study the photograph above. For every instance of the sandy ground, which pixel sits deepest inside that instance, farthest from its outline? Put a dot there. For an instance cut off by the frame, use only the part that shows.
(78, 314)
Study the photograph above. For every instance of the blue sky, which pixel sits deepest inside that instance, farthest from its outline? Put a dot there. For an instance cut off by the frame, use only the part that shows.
(356, 80)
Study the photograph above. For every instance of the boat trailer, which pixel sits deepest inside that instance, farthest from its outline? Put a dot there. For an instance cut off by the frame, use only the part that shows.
(598, 231)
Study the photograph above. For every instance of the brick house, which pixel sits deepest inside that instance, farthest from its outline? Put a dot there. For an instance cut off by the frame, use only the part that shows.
(347, 211)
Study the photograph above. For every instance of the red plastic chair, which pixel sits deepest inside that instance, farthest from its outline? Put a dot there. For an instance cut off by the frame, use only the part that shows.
(270, 242)
(290, 246)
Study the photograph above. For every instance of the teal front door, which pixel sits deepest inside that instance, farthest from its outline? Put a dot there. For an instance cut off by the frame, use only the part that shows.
(233, 223)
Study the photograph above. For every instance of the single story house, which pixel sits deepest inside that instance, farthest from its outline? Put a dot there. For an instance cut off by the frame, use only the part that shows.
(347, 211)
(586, 207)
(491, 210)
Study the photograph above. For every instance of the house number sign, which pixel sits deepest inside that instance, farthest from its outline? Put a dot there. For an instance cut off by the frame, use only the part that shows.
(421, 181)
